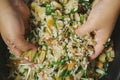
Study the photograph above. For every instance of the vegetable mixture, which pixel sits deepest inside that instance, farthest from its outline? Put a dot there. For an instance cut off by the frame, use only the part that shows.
(61, 54)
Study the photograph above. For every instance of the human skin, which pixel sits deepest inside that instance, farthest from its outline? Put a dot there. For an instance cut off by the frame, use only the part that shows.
(101, 21)
(14, 16)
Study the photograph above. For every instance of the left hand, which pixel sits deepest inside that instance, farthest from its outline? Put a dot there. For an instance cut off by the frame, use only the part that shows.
(14, 16)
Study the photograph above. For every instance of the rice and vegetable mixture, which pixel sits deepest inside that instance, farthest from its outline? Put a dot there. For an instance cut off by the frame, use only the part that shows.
(61, 54)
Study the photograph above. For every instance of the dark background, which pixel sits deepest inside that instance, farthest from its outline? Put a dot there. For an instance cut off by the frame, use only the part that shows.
(113, 70)
(4, 54)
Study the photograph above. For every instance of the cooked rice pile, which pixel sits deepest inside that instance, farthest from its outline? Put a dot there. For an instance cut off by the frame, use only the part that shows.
(61, 54)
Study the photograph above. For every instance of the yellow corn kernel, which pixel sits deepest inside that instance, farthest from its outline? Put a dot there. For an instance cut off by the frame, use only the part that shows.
(29, 55)
(102, 58)
(50, 21)
(42, 56)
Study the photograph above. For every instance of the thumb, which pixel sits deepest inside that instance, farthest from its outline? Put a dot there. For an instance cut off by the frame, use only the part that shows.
(84, 29)
(23, 45)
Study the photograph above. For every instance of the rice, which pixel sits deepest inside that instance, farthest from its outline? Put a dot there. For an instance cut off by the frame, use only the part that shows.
(61, 55)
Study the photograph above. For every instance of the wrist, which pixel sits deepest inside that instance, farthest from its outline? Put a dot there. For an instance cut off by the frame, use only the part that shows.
(114, 4)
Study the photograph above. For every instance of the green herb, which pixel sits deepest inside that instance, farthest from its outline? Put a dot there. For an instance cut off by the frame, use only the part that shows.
(82, 19)
(65, 47)
(42, 68)
(48, 10)
(13, 57)
(79, 68)
(102, 75)
(51, 65)
(87, 4)
(53, 78)
(45, 45)
(72, 22)
(56, 71)
(70, 32)
(35, 76)
(102, 72)
(107, 44)
(73, 10)
(66, 58)
(25, 70)
(55, 21)
(25, 53)
(64, 74)
(84, 72)
(59, 64)
(35, 55)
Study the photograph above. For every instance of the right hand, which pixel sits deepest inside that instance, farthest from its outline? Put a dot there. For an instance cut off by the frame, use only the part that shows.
(101, 20)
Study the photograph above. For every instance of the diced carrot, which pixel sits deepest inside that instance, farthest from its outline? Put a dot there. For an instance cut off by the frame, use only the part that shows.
(58, 78)
(48, 41)
(100, 65)
(72, 28)
(71, 65)
(69, 78)
(110, 59)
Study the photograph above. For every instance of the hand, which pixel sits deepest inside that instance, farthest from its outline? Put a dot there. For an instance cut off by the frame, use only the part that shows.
(101, 20)
(14, 16)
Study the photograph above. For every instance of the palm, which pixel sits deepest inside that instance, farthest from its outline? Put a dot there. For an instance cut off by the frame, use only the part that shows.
(13, 29)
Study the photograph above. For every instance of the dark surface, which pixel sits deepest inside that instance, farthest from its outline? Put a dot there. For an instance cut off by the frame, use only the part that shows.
(4, 70)
(113, 70)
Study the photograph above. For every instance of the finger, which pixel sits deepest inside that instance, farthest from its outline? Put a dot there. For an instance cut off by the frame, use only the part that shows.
(23, 45)
(12, 48)
(98, 49)
(16, 52)
(84, 29)
(100, 40)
